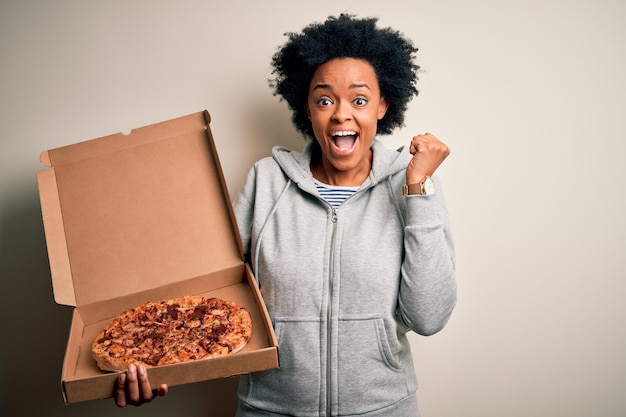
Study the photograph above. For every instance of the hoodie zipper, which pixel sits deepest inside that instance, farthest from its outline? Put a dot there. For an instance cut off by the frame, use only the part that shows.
(329, 314)
(329, 305)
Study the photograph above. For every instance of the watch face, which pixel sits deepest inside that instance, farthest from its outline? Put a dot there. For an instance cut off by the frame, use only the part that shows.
(429, 186)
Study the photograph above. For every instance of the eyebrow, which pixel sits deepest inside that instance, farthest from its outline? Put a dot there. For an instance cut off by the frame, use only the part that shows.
(330, 87)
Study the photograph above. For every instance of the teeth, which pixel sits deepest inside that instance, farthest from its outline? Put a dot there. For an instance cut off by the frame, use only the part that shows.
(344, 133)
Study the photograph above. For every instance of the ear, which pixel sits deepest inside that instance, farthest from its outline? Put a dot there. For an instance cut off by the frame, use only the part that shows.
(383, 105)
(307, 110)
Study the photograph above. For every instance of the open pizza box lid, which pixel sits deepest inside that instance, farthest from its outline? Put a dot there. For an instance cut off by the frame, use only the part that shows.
(139, 217)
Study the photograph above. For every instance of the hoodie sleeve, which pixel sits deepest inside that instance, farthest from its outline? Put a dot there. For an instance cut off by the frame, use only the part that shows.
(428, 287)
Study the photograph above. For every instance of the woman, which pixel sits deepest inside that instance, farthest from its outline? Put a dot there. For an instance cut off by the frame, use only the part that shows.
(349, 241)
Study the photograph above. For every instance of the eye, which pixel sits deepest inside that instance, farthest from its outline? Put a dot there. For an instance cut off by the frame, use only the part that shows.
(360, 101)
(324, 101)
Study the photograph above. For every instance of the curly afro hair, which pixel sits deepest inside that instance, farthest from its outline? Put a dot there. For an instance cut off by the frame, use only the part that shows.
(387, 50)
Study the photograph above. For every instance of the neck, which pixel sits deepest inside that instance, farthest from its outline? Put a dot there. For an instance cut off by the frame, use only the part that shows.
(325, 172)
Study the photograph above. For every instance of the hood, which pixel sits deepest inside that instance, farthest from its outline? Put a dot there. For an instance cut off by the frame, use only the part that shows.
(296, 165)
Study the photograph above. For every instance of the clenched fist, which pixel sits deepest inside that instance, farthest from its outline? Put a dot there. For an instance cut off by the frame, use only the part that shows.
(428, 153)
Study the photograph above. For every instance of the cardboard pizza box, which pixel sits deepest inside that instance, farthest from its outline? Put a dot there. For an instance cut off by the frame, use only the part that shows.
(138, 217)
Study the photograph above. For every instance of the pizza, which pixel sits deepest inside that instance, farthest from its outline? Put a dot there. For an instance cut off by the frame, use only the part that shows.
(171, 331)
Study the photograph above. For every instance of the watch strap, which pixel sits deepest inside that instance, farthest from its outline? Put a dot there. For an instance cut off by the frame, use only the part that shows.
(413, 189)
(424, 187)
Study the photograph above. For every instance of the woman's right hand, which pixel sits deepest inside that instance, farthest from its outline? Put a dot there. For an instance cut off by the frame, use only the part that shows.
(133, 387)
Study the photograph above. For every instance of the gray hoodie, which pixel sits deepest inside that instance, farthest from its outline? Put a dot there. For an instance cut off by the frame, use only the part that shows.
(343, 286)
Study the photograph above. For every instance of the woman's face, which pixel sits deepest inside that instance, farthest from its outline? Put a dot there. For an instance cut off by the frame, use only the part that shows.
(344, 106)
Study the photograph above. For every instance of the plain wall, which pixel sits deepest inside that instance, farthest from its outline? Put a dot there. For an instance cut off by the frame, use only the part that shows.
(530, 96)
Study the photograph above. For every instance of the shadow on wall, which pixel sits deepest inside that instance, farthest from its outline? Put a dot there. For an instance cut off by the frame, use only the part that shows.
(35, 331)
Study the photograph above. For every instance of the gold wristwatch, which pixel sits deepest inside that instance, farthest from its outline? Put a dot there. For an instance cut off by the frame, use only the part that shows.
(424, 187)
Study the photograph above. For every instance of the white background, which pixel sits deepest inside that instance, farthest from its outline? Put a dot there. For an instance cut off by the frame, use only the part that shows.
(530, 96)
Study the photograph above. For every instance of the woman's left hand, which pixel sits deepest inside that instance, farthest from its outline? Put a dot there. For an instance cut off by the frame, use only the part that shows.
(428, 153)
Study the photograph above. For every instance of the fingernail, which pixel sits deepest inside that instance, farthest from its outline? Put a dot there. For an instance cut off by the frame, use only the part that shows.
(141, 370)
(131, 368)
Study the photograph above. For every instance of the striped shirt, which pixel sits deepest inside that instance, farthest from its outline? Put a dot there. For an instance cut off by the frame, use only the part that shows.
(334, 194)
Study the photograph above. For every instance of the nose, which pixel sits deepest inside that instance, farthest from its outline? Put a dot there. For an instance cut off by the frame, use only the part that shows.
(342, 112)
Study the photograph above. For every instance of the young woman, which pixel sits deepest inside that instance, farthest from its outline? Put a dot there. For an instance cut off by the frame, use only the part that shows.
(350, 242)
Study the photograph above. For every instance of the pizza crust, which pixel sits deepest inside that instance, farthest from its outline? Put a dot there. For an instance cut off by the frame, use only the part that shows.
(172, 331)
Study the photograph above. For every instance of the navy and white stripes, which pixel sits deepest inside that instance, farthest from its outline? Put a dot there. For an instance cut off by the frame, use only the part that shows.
(335, 195)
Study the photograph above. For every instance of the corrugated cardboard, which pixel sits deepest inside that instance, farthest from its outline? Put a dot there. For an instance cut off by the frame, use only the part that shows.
(144, 217)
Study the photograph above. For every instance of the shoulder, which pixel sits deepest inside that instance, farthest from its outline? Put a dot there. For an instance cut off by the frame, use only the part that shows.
(389, 162)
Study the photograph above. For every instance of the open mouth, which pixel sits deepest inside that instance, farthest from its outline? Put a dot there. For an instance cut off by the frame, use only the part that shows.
(344, 140)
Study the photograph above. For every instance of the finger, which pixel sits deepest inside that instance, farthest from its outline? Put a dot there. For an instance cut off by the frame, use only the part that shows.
(120, 391)
(431, 136)
(426, 138)
(145, 390)
(428, 143)
(161, 391)
(417, 143)
(133, 395)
